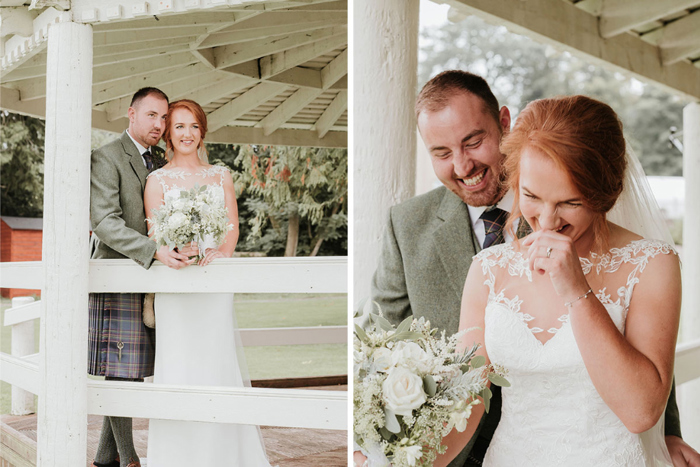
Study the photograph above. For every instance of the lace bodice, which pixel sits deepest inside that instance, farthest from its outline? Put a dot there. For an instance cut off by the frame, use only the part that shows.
(552, 413)
(175, 180)
(181, 179)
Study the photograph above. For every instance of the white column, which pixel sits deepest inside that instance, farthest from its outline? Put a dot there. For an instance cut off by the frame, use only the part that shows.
(689, 400)
(385, 43)
(22, 345)
(62, 424)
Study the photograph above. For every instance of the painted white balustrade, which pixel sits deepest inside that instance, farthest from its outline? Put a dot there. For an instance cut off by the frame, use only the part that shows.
(262, 406)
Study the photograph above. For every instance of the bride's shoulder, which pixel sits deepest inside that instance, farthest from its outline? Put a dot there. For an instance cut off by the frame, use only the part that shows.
(626, 243)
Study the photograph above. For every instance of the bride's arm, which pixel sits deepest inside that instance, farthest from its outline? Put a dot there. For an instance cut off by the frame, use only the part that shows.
(474, 299)
(229, 245)
(631, 372)
(152, 199)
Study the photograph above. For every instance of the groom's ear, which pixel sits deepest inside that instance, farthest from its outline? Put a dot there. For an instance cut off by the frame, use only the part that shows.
(130, 113)
(504, 119)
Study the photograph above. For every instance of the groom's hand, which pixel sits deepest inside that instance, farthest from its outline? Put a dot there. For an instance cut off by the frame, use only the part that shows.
(682, 454)
(172, 258)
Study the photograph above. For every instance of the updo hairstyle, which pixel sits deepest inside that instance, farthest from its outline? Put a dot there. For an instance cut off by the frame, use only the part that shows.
(584, 138)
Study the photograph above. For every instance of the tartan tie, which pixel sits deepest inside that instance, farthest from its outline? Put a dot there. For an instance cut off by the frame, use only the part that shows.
(494, 220)
(149, 160)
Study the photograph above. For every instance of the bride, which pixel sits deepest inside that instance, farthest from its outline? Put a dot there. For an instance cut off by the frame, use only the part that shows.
(196, 333)
(582, 313)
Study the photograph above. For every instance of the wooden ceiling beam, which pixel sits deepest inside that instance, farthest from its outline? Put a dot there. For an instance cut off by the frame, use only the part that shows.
(231, 37)
(117, 71)
(336, 69)
(284, 18)
(281, 137)
(234, 54)
(209, 18)
(276, 63)
(202, 88)
(566, 27)
(619, 16)
(229, 112)
(128, 37)
(288, 109)
(341, 5)
(104, 92)
(332, 114)
(680, 39)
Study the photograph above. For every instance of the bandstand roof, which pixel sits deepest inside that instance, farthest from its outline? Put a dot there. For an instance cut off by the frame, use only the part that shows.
(265, 72)
(655, 40)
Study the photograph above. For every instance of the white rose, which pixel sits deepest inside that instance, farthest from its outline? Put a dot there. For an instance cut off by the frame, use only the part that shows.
(176, 220)
(412, 454)
(411, 355)
(382, 359)
(179, 204)
(403, 391)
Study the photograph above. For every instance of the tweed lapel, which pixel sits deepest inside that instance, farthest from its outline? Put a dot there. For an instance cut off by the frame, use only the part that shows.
(135, 159)
(453, 240)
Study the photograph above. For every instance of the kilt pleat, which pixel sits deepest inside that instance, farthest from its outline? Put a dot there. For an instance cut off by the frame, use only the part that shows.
(116, 321)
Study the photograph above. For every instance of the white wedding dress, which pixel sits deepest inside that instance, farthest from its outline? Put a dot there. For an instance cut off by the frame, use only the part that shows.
(196, 345)
(552, 414)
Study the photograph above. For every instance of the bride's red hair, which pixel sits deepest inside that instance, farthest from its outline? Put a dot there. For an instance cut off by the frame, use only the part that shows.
(584, 138)
(195, 109)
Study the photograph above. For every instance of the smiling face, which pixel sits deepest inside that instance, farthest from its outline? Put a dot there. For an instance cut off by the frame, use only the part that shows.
(462, 139)
(185, 134)
(549, 200)
(147, 120)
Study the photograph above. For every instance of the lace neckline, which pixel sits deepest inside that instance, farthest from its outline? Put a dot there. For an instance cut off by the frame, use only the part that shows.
(636, 252)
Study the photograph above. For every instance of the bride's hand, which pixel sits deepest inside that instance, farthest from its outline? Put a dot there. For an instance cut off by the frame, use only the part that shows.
(553, 253)
(211, 254)
(359, 459)
(191, 249)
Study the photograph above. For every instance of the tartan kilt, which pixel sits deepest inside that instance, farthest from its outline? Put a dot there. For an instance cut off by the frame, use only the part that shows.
(117, 318)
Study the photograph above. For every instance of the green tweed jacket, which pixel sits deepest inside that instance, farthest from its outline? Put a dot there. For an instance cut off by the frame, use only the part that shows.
(117, 214)
(428, 246)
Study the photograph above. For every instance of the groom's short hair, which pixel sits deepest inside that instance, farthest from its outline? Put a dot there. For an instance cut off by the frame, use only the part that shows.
(145, 92)
(438, 91)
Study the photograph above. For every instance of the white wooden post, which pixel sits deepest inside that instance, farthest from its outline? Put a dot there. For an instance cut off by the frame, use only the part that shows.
(386, 61)
(689, 400)
(62, 424)
(22, 345)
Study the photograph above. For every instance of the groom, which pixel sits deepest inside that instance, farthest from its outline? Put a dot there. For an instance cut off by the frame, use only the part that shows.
(430, 240)
(121, 348)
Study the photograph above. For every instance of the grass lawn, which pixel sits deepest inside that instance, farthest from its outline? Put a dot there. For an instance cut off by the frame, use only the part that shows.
(263, 311)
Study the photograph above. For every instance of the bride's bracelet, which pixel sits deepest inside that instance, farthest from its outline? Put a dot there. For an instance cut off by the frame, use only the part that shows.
(571, 303)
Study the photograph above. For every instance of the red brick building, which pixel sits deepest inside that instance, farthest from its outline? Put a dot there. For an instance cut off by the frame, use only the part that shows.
(20, 240)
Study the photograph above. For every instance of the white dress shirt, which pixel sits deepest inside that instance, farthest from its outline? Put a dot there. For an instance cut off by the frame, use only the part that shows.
(142, 150)
(506, 203)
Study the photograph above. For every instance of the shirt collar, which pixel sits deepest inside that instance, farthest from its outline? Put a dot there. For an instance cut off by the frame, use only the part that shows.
(138, 146)
(506, 203)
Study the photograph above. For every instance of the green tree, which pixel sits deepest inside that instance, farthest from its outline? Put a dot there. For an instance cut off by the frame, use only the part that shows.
(520, 70)
(21, 165)
(300, 192)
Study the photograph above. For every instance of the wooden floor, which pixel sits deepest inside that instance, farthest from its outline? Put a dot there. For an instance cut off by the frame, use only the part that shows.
(286, 447)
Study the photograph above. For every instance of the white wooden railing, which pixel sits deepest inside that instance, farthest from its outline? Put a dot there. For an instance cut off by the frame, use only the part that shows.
(261, 406)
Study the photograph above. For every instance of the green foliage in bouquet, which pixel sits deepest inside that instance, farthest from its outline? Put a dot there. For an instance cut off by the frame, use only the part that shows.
(412, 386)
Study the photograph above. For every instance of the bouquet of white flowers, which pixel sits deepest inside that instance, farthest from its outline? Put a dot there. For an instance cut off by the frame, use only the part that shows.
(411, 388)
(198, 215)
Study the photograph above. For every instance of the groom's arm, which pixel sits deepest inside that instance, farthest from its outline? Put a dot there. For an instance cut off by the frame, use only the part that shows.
(389, 280)
(106, 213)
